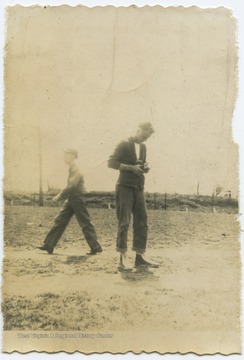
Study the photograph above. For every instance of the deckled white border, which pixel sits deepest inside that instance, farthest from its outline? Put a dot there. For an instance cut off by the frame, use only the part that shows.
(238, 132)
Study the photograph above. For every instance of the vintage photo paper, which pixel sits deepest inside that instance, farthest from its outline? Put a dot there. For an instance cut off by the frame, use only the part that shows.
(80, 82)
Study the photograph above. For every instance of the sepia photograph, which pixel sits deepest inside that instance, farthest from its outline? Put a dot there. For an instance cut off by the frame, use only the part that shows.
(121, 188)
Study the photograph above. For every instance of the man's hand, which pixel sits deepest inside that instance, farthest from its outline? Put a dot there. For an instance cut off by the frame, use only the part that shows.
(56, 198)
(136, 169)
(146, 168)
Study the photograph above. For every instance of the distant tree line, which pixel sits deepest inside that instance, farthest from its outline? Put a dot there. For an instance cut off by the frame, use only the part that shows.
(156, 201)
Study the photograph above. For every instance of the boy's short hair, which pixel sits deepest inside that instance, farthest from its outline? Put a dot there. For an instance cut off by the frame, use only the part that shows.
(72, 152)
(147, 126)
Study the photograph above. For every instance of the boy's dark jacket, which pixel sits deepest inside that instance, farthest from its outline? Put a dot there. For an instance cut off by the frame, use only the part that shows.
(125, 153)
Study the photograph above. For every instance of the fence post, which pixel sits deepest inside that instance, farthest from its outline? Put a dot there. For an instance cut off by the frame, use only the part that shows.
(165, 201)
(213, 210)
(154, 201)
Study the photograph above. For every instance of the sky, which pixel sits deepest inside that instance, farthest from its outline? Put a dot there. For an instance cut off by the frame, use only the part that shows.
(85, 78)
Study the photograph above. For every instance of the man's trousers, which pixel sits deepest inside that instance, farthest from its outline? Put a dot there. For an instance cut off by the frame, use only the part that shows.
(129, 201)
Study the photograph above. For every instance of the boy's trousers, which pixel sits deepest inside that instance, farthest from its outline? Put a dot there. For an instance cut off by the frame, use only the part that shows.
(73, 206)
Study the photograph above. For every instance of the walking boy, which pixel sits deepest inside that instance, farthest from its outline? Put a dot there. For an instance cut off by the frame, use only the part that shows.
(74, 204)
(130, 159)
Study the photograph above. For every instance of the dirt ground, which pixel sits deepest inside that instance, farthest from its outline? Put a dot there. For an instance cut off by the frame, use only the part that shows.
(196, 289)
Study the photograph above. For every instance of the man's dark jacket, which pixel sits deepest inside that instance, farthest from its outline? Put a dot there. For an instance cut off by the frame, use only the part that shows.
(125, 153)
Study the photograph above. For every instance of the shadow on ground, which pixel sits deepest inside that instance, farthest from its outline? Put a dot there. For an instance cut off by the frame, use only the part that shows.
(138, 274)
(75, 259)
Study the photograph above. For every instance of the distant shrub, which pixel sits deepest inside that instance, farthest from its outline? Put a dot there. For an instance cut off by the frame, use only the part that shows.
(155, 201)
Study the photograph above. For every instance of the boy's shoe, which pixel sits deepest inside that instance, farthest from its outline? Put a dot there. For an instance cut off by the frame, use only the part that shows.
(94, 252)
(46, 248)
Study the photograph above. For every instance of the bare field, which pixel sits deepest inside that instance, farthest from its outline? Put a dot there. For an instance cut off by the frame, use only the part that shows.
(196, 288)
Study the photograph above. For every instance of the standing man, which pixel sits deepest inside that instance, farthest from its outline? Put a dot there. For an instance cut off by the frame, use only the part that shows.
(74, 204)
(130, 159)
